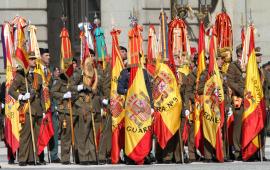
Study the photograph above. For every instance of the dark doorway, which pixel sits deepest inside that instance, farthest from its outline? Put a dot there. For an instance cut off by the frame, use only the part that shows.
(76, 11)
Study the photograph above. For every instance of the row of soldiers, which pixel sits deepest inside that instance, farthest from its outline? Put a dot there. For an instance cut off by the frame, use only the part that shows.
(80, 106)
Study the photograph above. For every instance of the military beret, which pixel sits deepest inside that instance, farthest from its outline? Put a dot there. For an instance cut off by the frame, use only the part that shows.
(43, 50)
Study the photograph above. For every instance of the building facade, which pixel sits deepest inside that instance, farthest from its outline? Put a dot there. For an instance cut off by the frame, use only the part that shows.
(46, 15)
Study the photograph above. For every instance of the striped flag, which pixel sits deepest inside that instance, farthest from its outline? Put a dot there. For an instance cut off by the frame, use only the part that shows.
(198, 134)
(152, 50)
(12, 125)
(116, 100)
(66, 54)
(213, 102)
(21, 53)
(254, 105)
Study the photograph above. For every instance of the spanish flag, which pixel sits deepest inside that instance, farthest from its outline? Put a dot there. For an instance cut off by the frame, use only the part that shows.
(198, 134)
(12, 125)
(213, 100)
(138, 119)
(21, 54)
(116, 100)
(254, 106)
(168, 104)
(66, 54)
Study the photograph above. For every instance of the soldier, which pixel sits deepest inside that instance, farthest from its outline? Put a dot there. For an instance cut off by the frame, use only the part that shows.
(55, 118)
(104, 123)
(223, 61)
(265, 83)
(45, 63)
(33, 94)
(236, 82)
(85, 83)
(188, 96)
(47, 83)
(62, 91)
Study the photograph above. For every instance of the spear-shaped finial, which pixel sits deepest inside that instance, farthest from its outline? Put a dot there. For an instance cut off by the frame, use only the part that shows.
(250, 17)
(64, 19)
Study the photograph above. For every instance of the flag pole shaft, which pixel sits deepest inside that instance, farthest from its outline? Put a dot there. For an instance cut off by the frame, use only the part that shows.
(181, 146)
(72, 129)
(260, 145)
(31, 123)
(94, 135)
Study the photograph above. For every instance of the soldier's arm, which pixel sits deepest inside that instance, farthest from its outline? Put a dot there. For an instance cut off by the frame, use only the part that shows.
(107, 82)
(16, 84)
(235, 86)
(41, 93)
(55, 91)
(202, 82)
(190, 90)
(122, 83)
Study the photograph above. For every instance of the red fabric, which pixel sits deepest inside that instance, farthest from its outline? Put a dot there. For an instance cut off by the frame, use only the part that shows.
(248, 151)
(161, 131)
(185, 131)
(230, 128)
(46, 131)
(219, 146)
(143, 148)
(118, 141)
(10, 139)
(253, 124)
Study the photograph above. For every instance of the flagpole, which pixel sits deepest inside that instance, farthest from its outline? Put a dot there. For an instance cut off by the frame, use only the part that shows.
(31, 123)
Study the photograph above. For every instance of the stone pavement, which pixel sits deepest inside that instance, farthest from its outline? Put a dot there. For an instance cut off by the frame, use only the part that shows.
(193, 166)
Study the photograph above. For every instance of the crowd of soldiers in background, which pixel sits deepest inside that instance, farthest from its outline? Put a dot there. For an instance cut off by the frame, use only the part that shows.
(85, 152)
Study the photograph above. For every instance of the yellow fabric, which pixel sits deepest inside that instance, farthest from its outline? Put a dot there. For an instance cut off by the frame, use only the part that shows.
(213, 96)
(166, 96)
(116, 100)
(11, 104)
(253, 86)
(138, 112)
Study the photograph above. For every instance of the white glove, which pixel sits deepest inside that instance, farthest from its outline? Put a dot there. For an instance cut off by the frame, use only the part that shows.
(152, 110)
(105, 101)
(67, 95)
(3, 105)
(26, 96)
(43, 115)
(230, 112)
(187, 112)
(80, 87)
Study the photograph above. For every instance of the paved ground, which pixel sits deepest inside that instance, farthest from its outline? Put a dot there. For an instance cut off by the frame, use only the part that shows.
(237, 165)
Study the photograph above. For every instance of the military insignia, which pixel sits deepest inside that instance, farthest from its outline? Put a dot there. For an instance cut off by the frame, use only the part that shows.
(140, 109)
(162, 88)
(116, 105)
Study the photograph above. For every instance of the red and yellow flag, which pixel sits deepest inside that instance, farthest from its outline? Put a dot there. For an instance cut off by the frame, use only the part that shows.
(254, 105)
(198, 99)
(168, 104)
(138, 119)
(66, 54)
(116, 100)
(21, 53)
(12, 125)
(213, 100)
(46, 129)
(152, 50)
